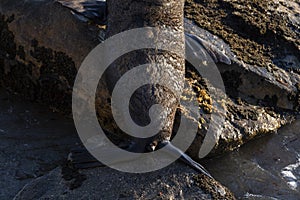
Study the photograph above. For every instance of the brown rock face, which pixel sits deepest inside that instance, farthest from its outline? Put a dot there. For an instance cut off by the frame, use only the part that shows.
(41, 47)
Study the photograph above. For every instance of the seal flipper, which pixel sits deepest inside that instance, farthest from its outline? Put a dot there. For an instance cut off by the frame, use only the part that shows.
(172, 150)
(95, 11)
(82, 159)
(198, 44)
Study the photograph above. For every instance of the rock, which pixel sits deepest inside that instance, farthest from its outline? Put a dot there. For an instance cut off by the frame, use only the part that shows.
(262, 39)
(267, 168)
(174, 182)
(259, 80)
(51, 25)
(37, 58)
(35, 142)
(38, 187)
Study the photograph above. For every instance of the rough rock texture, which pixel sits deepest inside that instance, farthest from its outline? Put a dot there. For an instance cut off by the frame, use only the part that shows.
(262, 34)
(259, 32)
(174, 182)
(38, 59)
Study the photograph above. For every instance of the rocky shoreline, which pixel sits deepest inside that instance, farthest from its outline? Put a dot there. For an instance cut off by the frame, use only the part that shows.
(39, 61)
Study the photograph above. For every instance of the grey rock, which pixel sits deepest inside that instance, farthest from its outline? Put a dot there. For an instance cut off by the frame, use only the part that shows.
(174, 182)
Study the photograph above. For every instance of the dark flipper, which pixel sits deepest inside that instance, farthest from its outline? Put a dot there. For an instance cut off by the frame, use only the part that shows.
(86, 10)
(82, 159)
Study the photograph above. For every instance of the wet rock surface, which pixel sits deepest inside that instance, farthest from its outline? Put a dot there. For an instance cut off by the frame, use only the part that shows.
(174, 182)
(33, 141)
(267, 168)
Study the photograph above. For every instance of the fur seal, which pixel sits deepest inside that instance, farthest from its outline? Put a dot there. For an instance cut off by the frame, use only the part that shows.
(97, 11)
